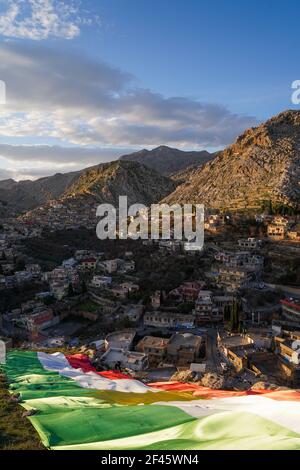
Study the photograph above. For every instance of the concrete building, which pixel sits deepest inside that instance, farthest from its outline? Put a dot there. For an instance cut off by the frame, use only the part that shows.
(234, 278)
(89, 263)
(288, 349)
(291, 310)
(133, 360)
(183, 349)
(155, 348)
(120, 340)
(276, 232)
(249, 243)
(186, 292)
(237, 349)
(101, 281)
(168, 319)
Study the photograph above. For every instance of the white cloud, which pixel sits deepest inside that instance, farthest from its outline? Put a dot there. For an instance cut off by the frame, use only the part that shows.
(33, 161)
(77, 100)
(59, 155)
(82, 101)
(42, 19)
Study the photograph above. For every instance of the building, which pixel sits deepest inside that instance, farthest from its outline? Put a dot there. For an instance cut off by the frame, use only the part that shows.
(168, 319)
(287, 349)
(69, 263)
(249, 243)
(276, 232)
(38, 320)
(33, 269)
(123, 290)
(205, 309)
(134, 312)
(187, 292)
(294, 233)
(59, 289)
(125, 266)
(237, 349)
(260, 339)
(183, 349)
(266, 364)
(291, 310)
(245, 260)
(214, 222)
(89, 263)
(234, 278)
(155, 348)
(101, 281)
(120, 340)
(132, 360)
(110, 265)
(156, 299)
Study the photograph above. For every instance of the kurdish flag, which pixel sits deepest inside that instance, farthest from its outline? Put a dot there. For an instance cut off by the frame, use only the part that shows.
(77, 408)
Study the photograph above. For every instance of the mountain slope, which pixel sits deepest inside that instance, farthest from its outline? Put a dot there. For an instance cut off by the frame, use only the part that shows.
(167, 160)
(25, 195)
(108, 181)
(262, 165)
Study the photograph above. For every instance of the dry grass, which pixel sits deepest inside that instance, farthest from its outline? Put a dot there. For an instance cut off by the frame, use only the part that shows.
(16, 431)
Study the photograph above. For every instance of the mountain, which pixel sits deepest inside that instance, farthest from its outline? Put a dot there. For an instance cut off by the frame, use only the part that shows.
(25, 195)
(108, 181)
(103, 183)
(261, 167)
(18, 197)
(166, 160)
(8, 184)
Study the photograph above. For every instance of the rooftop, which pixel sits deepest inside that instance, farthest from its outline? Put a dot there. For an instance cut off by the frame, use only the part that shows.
(186, 339)
(234, 341)
(153, 341)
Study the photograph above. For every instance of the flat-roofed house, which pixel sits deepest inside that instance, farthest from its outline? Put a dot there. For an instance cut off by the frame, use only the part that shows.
(154, 347)
(183, 348)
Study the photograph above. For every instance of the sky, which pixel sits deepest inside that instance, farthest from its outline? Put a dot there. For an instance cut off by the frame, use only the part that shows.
(89, 80)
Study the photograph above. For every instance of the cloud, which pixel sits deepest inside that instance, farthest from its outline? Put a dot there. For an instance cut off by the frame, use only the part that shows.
(76, 100)
(6, 174)
(34, 161)
(59, 155)
(42, 19)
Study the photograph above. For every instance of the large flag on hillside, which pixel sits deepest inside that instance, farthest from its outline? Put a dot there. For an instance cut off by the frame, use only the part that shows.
(76, 407)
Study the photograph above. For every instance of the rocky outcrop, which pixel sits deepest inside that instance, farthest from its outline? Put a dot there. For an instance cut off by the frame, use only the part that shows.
(185, 376)
(213, 380)
(263, 165)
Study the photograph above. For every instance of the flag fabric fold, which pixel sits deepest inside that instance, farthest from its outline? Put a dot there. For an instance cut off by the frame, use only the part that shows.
(76, 407)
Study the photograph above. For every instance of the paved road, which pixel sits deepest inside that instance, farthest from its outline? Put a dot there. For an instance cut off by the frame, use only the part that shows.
(213, 360)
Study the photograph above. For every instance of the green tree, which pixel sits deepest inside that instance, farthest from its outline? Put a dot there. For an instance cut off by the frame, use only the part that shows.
(83, 287)
(70, 290)
(234, 316)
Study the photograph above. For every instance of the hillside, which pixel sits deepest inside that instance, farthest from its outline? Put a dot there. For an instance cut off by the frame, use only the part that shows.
(108, 181)
(19, 197)
(166, 160)
(263, 165)
(25, 195)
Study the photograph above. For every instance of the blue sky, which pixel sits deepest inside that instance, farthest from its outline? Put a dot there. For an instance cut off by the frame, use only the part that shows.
(110, 76)
(239, 53)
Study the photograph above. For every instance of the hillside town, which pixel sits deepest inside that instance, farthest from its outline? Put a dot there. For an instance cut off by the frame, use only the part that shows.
(228, 316)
